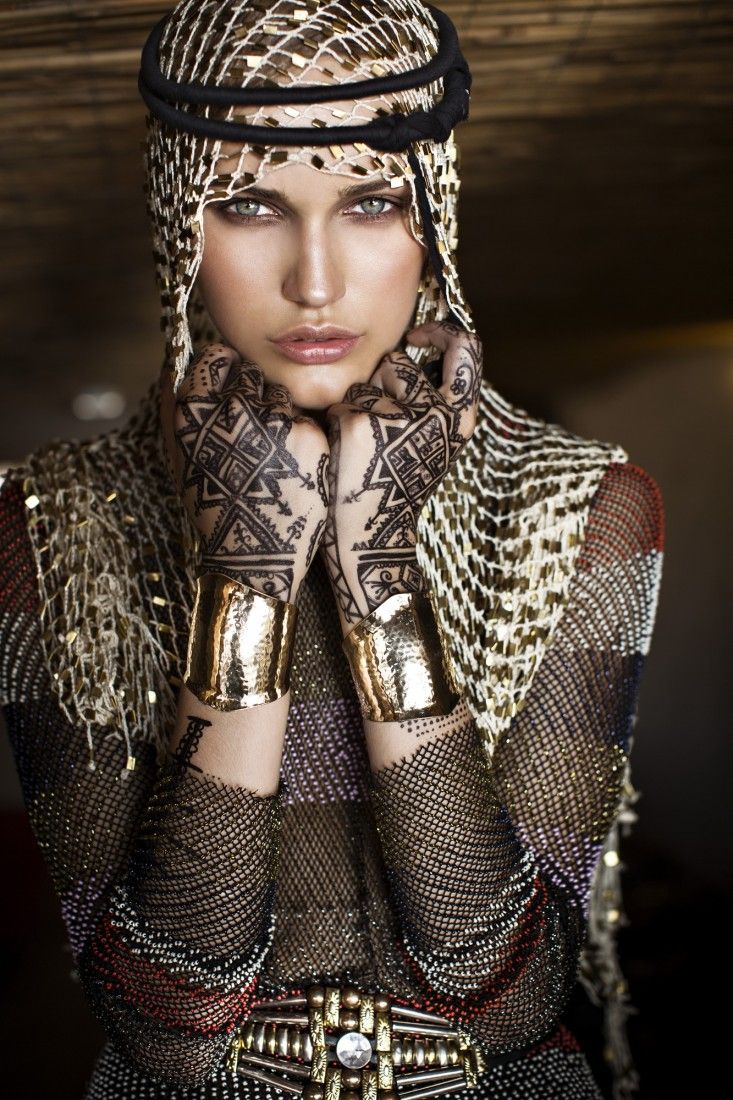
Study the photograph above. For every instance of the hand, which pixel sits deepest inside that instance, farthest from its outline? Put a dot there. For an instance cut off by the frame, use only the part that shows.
(391, 441)
(251, 473)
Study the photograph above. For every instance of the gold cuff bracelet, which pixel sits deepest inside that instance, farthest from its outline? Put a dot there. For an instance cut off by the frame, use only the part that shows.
(398, 660)
(239, 646)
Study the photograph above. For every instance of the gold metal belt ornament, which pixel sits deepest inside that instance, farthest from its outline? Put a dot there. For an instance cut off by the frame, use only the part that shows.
(340, 1043)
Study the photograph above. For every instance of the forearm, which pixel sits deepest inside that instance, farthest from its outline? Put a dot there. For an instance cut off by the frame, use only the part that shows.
(217, 793)
(458, 873)
(173, 964)
(474, 916)
(242, 747)
(389, 742)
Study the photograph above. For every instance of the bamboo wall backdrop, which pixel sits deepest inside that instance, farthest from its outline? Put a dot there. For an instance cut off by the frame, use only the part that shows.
(68, 79)
(595, 166)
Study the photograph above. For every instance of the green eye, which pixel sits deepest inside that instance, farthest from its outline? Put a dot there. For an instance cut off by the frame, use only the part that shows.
(376, 199)
(244, 202)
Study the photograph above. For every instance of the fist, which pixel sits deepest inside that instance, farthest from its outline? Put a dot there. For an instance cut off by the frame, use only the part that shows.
(251, 473)
(392, 440)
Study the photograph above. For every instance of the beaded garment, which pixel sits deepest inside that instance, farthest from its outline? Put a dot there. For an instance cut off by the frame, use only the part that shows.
(186, 898)
(478, 877)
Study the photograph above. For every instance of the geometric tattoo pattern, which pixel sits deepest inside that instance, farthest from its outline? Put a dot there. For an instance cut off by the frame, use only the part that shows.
(237, 468)
(415, 438)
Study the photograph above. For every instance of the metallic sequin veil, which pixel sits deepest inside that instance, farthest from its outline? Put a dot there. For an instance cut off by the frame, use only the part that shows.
(251, 44)
(499, 540)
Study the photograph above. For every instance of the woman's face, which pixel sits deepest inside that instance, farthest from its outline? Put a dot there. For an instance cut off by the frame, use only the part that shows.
(312, 254)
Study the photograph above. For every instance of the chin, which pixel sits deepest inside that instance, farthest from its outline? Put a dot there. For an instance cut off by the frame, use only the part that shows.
(321, 385)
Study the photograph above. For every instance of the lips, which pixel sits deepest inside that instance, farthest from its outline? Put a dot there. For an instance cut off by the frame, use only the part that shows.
(315, 333)
(310, 351)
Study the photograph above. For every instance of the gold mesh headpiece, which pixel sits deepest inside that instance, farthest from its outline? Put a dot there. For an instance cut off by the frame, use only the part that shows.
(291, 43)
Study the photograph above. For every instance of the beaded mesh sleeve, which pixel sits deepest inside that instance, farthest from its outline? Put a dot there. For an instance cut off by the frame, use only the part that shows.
(166, 877)
(490, 865)
(458, 884)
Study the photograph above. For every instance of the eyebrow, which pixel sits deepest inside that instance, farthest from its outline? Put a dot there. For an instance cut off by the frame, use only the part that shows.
(344, 192)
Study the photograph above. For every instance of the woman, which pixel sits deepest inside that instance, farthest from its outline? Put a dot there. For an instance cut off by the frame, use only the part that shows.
(320, 674)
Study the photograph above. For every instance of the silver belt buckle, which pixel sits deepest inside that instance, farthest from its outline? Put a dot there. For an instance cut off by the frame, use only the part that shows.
(340, 1043)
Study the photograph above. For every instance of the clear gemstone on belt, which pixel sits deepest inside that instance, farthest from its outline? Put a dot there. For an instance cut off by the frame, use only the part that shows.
(353, 1050)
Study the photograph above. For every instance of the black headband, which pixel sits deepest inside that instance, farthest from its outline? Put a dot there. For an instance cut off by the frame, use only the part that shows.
(386, 133)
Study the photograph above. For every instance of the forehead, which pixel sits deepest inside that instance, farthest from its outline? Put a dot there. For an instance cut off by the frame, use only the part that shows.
(244, 166)
(358, 160)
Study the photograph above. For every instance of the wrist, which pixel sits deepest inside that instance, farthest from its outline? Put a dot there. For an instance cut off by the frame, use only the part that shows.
(360, 592)
(240, 644)
(279, 583)
(399, 661)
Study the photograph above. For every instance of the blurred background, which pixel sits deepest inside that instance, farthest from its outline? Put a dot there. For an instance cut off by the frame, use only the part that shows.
(596, 232)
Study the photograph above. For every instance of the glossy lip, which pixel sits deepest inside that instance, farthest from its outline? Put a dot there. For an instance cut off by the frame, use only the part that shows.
(314, 332)
(316, 351)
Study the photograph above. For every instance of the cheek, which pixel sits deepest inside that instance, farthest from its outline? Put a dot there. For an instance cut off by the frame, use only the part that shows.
(226, 272)
(393, 270)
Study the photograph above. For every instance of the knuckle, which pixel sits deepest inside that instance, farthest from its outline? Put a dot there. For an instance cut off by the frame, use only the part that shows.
(250, 372)
(338, 410)
(278, 395)
(361, 389)
(353, 423)
(306, 437)
(398, 358)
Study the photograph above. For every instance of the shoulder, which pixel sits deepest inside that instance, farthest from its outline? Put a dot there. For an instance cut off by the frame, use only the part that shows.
(627, 512)
(529, 460)
(17, 569)
(19, 605)
(619, 568)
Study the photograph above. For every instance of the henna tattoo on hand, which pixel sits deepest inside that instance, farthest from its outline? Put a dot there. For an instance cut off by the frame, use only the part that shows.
(408, 462)
(256, 506)
(330, 542)
(415, 437)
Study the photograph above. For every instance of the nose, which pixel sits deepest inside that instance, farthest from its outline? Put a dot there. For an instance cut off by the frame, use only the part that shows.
(314, 275)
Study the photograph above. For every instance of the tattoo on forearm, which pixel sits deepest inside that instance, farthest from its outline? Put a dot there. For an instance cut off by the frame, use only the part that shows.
(189, 743)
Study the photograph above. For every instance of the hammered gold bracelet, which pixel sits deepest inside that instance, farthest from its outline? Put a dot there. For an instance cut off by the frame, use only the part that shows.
(239, 646)
(397, 657)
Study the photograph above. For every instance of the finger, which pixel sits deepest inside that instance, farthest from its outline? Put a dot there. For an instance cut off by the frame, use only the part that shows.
(246, 378)
(208, 371)
(363, 393)
(462, 371)
(341, 408)
(437, 333)
(382, 405)
(401, 378)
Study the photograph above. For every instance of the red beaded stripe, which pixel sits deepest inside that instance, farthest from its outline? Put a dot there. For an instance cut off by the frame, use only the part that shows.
(179, 1004)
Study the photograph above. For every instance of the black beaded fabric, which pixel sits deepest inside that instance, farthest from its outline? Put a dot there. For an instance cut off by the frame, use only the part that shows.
(459, 885)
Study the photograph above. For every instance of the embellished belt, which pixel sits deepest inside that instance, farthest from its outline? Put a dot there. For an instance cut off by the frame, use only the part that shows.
(340, 1043)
